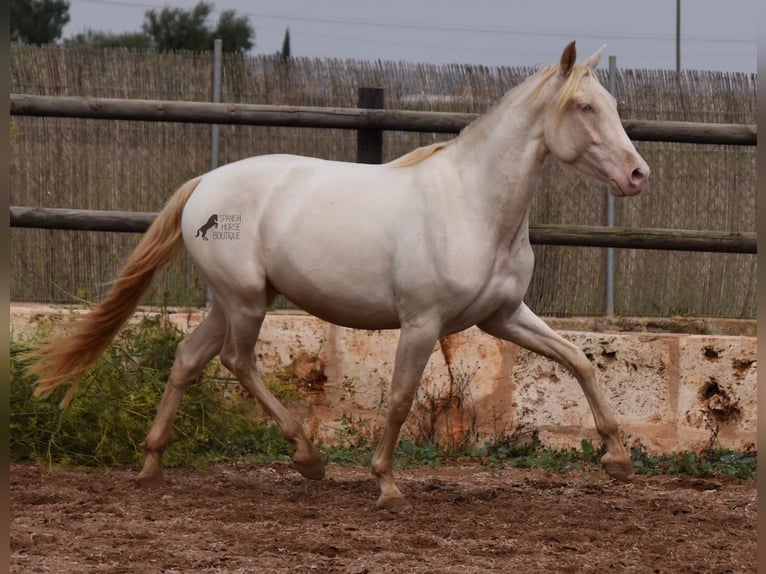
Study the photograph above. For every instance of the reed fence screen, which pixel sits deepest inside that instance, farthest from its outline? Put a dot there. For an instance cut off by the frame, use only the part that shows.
(135, 166)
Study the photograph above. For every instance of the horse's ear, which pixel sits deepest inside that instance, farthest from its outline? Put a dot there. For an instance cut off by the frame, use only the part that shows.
(592, 61)
(568, 58)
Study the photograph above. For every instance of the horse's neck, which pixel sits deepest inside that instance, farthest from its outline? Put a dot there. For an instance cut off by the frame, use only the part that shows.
(502, 153)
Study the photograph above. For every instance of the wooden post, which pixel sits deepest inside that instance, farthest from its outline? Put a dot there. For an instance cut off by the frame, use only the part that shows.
(369, 143)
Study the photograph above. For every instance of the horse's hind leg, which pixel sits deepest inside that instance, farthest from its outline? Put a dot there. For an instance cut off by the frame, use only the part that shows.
(238, 355)
(523, 327)
(193, 353)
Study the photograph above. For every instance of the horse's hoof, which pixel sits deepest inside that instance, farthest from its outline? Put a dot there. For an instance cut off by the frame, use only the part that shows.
(621, 469)
(313, 469)
(150, 481)
(307, 461)
(393, 503)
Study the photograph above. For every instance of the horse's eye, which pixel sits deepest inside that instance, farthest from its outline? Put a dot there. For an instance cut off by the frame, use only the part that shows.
(586, 108)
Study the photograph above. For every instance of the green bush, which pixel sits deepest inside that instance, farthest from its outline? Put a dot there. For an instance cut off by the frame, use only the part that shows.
(114, 407)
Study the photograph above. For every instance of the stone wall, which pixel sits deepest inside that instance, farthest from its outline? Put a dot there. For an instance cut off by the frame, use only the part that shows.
(670, 391)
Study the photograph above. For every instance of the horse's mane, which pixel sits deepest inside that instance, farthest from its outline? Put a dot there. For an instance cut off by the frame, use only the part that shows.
(563, 98)
(567, 92)
(530, 89)
(418, 155)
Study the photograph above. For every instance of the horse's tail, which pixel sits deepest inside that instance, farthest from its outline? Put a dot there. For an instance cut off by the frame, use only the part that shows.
(68, 358)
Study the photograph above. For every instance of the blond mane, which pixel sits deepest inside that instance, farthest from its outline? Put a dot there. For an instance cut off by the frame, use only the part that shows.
(419, 155)
(568, 90)
(562, 100)
(529, 90)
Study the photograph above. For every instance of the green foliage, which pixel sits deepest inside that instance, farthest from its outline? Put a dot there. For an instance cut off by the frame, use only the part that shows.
(178, 29)
(235, 31)
(355, 443)
(99, 39)
(408, 454)
(356, 440)
(285, 53)
(38, 21)
(530, 454)
(171, 29)
(710, 463)
(525, 451)
(113, 410)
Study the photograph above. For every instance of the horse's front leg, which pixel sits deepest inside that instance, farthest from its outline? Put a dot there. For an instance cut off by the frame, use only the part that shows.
(523, 327)
(412, 353)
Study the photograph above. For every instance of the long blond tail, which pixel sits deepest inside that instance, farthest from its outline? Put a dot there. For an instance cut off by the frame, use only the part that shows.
(68, 358)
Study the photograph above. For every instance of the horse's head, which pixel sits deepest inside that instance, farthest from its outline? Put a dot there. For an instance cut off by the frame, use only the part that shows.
(582, 127)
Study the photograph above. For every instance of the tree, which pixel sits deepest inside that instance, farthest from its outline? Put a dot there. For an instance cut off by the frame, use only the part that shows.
(285, 52)
(235, 31)
(100, 39)
(177, 29)
(38, 21)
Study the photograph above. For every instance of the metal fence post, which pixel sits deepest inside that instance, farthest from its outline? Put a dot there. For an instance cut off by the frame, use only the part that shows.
(215, 129)
(369, 143)
(610, 209)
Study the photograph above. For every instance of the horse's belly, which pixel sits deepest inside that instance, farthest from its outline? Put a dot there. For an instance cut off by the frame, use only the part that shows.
(344, 282)
(358, 309)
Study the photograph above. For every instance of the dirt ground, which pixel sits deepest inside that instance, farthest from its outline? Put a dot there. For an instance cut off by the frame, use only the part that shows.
(247, 517)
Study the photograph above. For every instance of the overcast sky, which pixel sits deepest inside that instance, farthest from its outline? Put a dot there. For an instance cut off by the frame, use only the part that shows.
(715, 34)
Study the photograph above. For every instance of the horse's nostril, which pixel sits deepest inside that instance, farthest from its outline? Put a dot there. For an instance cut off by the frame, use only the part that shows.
(636, 176)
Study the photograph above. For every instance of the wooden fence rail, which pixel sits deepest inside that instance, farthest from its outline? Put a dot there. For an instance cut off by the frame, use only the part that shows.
(338, 118)
(577, 235)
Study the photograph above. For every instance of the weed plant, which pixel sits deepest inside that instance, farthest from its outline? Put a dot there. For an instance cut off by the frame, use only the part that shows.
(531, 454)
(114, 407)
(713, 462)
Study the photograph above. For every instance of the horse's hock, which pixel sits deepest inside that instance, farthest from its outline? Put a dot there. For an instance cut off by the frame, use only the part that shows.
(670, 391)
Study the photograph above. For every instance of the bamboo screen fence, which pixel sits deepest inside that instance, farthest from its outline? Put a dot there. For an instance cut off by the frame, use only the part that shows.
(117, 165)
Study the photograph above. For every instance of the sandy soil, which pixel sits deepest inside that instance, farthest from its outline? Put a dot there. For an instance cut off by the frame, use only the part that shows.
(464, 519)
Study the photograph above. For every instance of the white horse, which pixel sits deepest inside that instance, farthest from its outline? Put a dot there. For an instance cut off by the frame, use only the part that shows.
(431, 243)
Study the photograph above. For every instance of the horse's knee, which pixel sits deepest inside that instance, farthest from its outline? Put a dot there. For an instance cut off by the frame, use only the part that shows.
(228, 359)
(183, 362)
(400, 406)
(194, 352)
(237, 359)
(582, 367)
